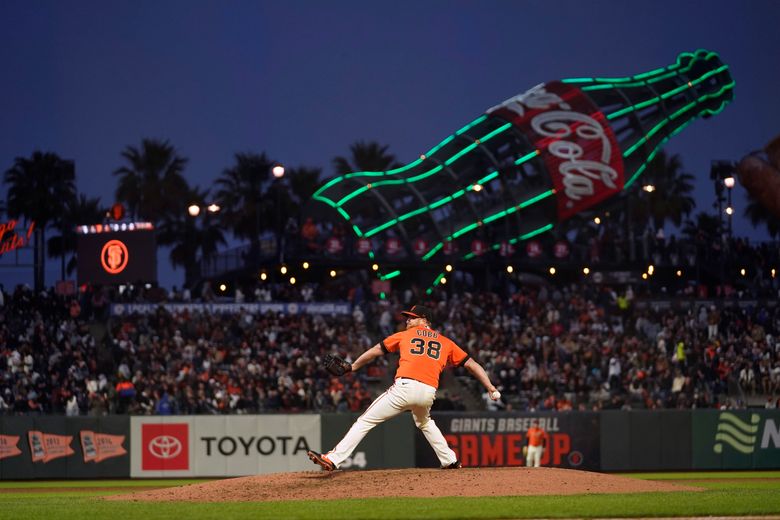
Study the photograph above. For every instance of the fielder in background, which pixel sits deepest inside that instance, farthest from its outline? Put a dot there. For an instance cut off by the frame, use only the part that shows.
(536, 441)
(424, 354)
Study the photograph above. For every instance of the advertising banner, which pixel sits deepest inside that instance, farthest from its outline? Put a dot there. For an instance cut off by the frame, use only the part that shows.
(497, 439)
(64, 447)
(319, 308)
(576, 143)
(388, 445)
(743, 439)
(233, 445)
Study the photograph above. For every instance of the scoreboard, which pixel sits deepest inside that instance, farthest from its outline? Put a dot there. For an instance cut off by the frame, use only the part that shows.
(108, 255)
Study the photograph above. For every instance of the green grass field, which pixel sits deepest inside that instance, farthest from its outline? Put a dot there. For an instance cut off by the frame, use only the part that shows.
(727, 494)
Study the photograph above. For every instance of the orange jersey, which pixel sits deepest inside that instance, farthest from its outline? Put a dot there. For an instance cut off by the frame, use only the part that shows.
(535, 436)
(424, 354)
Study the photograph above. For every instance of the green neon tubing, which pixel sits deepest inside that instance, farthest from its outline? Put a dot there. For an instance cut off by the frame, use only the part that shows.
(496, 216)
(388, 276)
(696, 55)
(433, 251)
(450, 198)
(332, 182)
(666, 95)
(687, 107)
(680, 128)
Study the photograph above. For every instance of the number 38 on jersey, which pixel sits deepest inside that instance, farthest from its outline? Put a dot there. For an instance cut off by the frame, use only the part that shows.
(420, 347)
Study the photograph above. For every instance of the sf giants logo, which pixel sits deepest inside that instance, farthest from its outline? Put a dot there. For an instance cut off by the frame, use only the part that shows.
(114, 256)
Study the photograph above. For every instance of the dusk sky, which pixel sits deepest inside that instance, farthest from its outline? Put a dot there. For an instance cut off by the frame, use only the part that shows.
(302, 80)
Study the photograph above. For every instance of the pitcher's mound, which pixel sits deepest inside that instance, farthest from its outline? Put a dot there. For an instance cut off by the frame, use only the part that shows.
(469, 482)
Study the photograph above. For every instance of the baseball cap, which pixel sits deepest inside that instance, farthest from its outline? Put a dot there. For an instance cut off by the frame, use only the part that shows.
(419, 311)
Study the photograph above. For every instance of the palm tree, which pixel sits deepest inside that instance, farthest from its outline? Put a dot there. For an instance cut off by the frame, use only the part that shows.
(304, 182)
(151, 182)
(366, 157)
(190, 237)
(758, 214)
(671, 199)
(706, 228)
(39, 189)
(78, 210)
(241, 193)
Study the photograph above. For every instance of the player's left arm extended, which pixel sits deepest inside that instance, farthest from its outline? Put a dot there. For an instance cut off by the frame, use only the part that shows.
(479, 373)
(367, 357)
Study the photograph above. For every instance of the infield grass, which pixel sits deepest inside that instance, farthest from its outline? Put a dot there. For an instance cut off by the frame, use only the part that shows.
(726, 494)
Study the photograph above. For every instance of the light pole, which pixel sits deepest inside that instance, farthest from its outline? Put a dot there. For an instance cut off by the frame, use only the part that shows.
(729, 183)
(278, 172)
(190, 228)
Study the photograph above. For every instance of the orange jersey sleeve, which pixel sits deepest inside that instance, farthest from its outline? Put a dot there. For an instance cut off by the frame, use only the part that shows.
(535, 436)
(424, 354)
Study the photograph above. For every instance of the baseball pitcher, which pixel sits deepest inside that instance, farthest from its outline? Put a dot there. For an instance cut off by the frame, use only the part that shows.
(424, 354)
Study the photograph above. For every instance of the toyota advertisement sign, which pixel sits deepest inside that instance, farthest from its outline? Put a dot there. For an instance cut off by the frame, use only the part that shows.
(209, 446)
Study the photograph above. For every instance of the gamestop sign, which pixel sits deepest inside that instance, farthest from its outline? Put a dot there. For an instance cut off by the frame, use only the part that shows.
(480, 439)
(207, 446)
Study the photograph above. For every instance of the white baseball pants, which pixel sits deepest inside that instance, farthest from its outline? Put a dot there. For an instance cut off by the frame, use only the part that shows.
(405, 394)
(534, 456)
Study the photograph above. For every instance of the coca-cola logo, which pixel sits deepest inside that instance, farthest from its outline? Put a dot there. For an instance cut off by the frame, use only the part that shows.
(575, 141)
(165, 447)
(578, 175)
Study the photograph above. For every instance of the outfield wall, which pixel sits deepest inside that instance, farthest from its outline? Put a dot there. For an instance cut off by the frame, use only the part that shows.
(56, 447)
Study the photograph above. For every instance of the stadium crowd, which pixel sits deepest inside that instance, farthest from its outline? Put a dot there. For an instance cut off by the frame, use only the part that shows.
(548, 348)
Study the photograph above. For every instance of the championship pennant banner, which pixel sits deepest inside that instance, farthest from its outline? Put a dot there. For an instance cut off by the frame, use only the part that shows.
(208, 446)
(485, 439)
(64, 447)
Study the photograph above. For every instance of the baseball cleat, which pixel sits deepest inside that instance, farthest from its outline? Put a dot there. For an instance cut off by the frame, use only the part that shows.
(321, 460)
(454, 465)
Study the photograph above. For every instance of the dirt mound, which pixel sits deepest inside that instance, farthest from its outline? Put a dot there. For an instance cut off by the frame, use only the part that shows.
(471, 482)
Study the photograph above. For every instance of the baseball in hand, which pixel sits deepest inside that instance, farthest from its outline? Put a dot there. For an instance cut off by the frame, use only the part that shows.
(495, 395)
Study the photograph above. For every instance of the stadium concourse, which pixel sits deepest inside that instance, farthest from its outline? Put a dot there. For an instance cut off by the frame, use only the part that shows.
(584, 347)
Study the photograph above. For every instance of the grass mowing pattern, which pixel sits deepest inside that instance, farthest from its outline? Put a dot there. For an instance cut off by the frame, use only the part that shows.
(740, 496)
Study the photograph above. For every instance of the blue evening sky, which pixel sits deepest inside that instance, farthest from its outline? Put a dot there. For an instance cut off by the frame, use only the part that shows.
(302, 80)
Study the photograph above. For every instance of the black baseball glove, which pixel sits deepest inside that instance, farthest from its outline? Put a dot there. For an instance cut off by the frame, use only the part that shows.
(336, 366)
